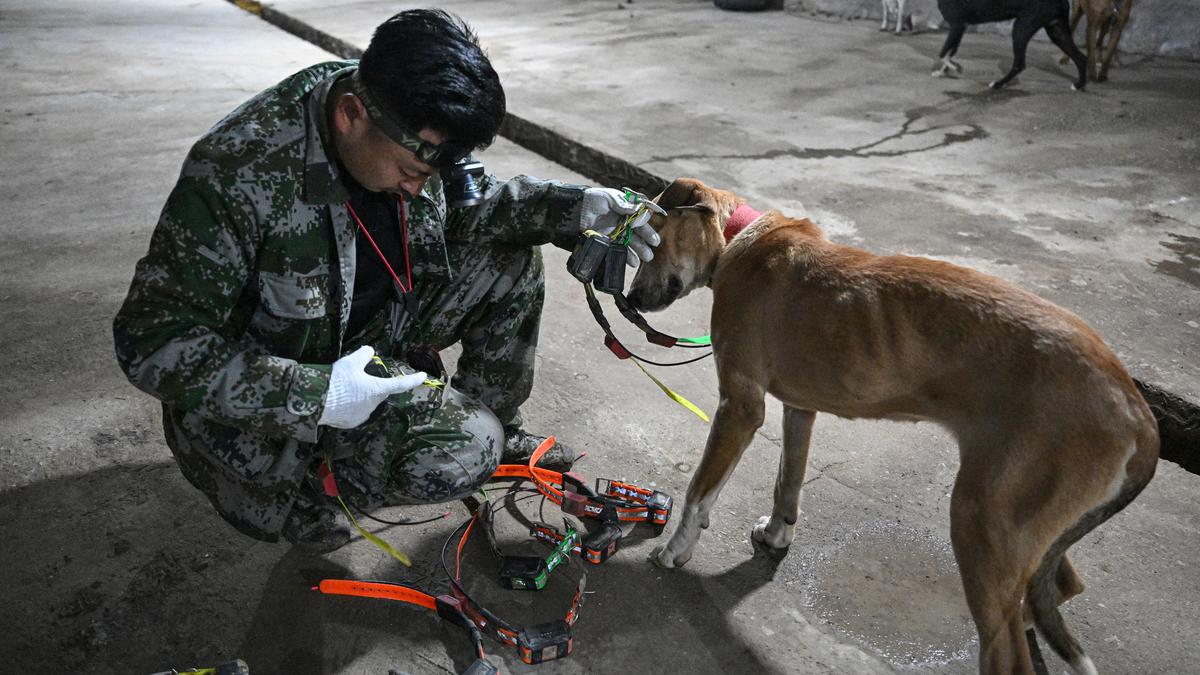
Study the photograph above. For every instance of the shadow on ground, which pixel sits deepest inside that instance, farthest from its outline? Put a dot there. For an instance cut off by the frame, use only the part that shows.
(128, 570)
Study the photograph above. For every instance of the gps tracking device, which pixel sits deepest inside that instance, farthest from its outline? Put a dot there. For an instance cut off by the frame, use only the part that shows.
(611, 280)
(544, 642)
(588, 257)
(459, 183)
(526, 572)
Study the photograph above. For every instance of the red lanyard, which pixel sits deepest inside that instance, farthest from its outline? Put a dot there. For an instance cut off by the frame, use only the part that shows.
(404, 237)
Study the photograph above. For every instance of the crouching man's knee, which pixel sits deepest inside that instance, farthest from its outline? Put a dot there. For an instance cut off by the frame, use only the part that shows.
(451, 456)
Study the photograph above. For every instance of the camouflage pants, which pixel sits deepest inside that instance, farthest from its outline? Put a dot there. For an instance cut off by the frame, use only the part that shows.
(431, 445)
(424, 446)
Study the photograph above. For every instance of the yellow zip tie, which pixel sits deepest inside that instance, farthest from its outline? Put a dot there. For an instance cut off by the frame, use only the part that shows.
(374, 539)
(676, 397)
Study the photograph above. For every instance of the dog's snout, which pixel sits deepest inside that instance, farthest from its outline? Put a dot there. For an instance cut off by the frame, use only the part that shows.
(650, 298)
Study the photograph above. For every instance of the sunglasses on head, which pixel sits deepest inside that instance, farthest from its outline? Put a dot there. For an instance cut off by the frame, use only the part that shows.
(438, 156)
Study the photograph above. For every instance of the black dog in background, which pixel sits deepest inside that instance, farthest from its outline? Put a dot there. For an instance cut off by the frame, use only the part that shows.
(1030, 15)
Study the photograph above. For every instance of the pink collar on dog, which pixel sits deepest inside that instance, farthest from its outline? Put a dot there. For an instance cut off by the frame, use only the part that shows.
(742, 216)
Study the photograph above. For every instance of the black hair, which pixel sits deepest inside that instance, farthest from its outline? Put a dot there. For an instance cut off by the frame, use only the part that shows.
(425, 66)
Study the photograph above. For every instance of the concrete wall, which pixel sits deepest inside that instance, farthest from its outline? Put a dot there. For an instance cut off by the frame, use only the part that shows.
(1156, 27)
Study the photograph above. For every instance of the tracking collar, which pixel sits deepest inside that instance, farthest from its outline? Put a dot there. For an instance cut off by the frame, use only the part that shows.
(612, 502)
(527, 572)
(742, 216)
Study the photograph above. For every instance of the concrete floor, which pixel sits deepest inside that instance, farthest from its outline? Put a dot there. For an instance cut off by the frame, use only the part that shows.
(114, 564)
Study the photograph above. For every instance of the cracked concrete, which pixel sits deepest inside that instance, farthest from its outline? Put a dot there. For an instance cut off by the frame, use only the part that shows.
(115, 565)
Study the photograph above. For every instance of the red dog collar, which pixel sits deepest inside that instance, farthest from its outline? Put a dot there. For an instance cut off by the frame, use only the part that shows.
(742, 216)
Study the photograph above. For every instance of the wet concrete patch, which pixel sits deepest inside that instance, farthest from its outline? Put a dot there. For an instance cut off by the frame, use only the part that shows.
(894, 590)
(1187, 267)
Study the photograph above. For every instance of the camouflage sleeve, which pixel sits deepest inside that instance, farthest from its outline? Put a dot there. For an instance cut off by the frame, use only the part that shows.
(522, 210)
(178, 337)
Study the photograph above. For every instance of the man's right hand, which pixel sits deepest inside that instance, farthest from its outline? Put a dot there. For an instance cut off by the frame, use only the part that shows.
(353, 394)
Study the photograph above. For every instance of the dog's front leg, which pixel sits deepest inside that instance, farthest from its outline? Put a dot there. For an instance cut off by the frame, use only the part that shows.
(733, 427)
(949, 49)
(778, 529)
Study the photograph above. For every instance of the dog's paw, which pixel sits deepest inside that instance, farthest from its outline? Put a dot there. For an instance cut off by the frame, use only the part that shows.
(994, 84)
(938, 73)
(777, 538)
(665, 558)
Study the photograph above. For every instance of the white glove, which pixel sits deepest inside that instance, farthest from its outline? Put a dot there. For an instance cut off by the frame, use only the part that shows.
(353, 394)
(603, 209)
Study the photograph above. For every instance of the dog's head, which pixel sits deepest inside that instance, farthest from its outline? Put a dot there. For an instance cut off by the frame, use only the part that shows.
(692, 240)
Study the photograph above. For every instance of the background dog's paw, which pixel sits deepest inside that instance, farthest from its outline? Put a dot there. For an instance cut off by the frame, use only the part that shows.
(938, 73)
(994, 84)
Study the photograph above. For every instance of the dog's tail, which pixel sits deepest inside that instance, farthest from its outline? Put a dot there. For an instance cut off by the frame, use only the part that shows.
(1042, 592)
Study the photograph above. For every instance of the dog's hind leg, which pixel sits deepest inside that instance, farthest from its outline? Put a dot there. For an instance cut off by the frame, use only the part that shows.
(1022, 32)
(1114, 37)
(949, 49)
(1046, 587)
(883, 25)
(900, 15)
(995, 559)
(778, 529)
(1060, 36)
(739, 414)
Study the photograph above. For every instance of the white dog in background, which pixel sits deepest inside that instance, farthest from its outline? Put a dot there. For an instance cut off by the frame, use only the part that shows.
(896, 8)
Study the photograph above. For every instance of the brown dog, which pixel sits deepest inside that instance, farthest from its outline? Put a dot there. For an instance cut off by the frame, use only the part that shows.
(1105, 18)
(1053, 436)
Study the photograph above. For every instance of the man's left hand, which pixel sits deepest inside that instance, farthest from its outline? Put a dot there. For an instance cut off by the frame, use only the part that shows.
(603, 209)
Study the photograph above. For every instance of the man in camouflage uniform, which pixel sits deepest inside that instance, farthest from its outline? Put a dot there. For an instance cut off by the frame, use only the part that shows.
(307, 233)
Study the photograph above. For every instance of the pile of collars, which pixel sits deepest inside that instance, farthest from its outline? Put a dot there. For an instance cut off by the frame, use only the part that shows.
(606, 507)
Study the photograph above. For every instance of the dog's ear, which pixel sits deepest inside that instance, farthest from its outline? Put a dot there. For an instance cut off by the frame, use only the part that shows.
(684, 193)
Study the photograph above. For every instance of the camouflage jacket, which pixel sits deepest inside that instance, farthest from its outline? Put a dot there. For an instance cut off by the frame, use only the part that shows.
(240, 306)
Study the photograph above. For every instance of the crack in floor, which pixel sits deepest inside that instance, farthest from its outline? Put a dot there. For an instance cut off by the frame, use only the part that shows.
(972, 132)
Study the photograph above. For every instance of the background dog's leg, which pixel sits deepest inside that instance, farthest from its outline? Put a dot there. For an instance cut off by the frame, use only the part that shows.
(1113, 38)
(1076, 14)
(738, 417)
(778, 529)
(883, 25)
(1022, 32)
(949, 49)
(1060, 36)
(900, 15)
(1095, 17)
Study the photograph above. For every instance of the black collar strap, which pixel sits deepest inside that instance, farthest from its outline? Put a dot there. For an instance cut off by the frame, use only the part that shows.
(526, 572)
(535, 644)
(620, 350)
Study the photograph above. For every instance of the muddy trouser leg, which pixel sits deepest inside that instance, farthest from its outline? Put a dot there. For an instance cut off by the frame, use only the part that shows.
(430, 445)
